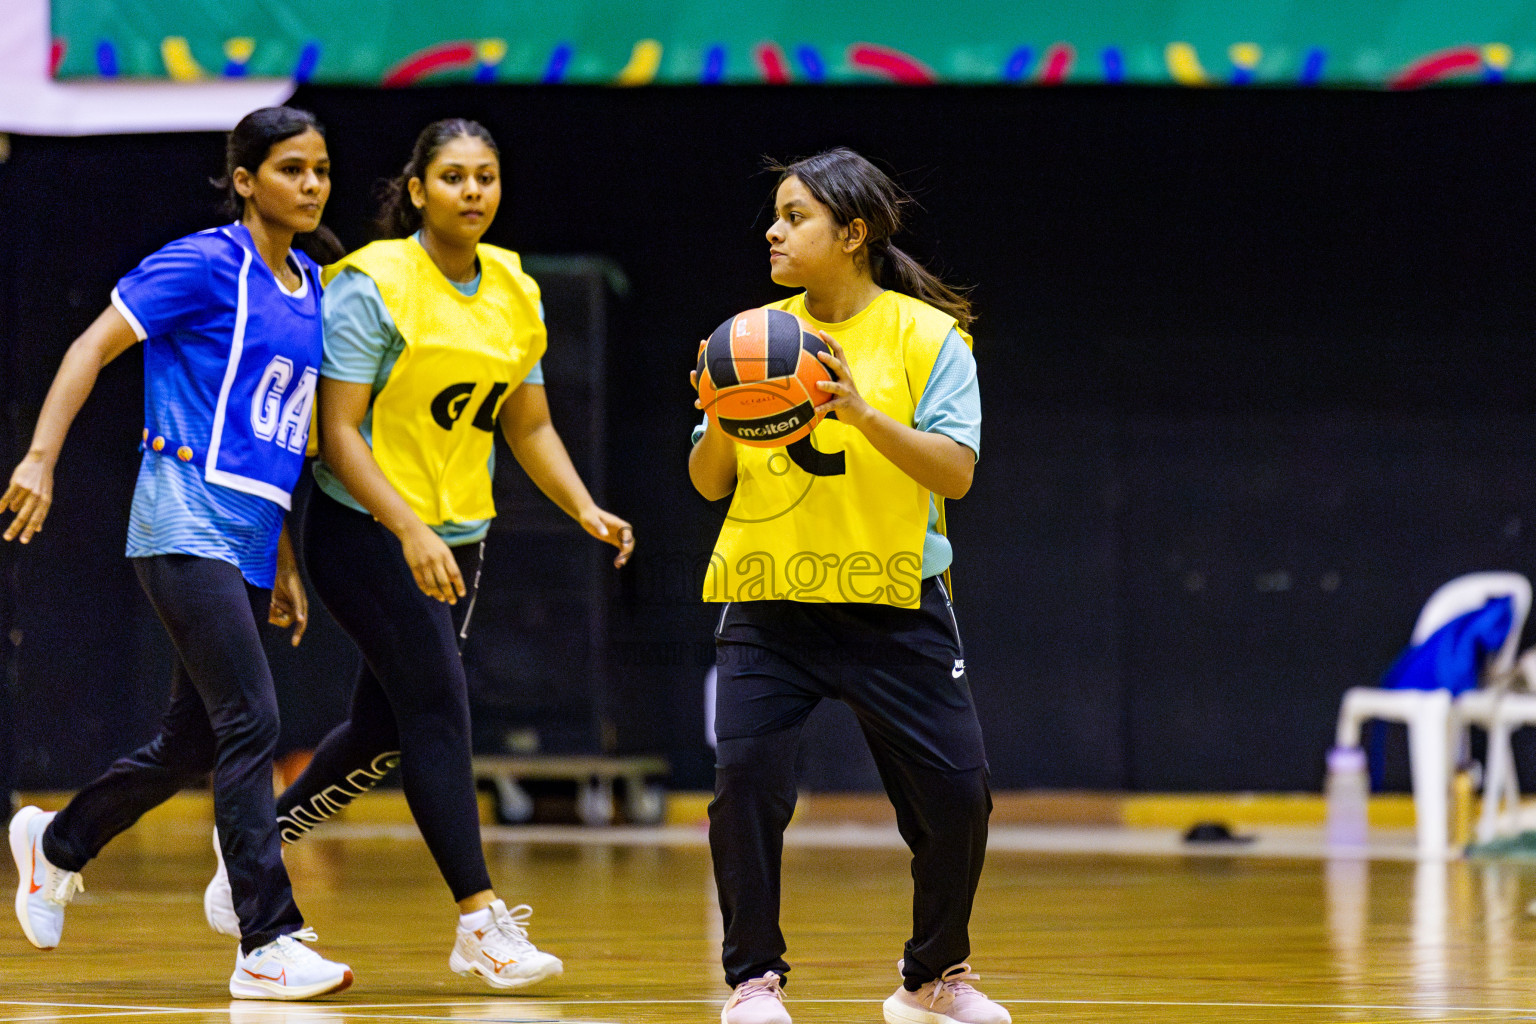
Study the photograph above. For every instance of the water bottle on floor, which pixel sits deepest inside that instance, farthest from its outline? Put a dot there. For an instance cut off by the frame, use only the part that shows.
(1348, 791)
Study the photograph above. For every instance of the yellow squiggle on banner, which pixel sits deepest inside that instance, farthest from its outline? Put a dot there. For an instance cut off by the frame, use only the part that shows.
(1245, 55)
(1498, 56)
(644, 62)
(491, 51)
(177, 54)
(1184, 65)
(239, 49)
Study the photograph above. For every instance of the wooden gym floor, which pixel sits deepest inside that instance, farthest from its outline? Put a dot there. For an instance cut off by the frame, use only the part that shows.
(1070, 925)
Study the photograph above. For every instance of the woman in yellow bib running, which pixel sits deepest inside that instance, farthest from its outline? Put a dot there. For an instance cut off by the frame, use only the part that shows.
(830, 565)
(432, 342)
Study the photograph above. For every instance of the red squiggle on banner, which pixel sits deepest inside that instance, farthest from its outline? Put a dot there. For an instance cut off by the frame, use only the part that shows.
(889, 63)
(771, 59)
(1058, 62)
(442, 57)
(56, 56)
(1438, 66)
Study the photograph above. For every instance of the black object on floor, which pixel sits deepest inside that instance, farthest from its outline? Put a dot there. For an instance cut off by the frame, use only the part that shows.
(1213, 832)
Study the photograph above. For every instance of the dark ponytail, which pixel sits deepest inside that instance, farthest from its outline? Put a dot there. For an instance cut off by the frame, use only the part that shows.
(855, 189)
(249, 145)
(320, 245)
(398, 216)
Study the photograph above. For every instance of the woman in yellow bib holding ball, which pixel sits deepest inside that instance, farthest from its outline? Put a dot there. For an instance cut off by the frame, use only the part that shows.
(830, 564)
(432, 343)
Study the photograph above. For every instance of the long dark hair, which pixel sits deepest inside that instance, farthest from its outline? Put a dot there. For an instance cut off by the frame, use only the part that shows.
(853, 188)
(398, 217)
(249, 145)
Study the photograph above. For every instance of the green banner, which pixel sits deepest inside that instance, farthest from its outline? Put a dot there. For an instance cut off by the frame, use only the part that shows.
(1361, 43)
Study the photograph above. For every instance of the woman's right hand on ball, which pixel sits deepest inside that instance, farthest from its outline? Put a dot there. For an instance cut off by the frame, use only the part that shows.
(432, 563)
(29, 495)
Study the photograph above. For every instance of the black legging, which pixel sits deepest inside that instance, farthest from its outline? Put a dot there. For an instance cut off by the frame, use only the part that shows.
(222, 718)
(411, 701)
(902, 671)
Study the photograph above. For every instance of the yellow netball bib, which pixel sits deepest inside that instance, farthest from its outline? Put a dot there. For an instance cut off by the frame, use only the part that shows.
(434, 421)
(829, 518)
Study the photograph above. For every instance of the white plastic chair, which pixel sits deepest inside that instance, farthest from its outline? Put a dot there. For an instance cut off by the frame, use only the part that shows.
(1502, 713)
(1434, 727)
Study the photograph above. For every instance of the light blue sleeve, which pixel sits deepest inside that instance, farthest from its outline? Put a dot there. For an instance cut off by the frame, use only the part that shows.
(951, 402)
(359, 332)
(536, 375)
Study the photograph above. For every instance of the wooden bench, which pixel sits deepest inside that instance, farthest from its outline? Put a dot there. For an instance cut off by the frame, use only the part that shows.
(599, 781)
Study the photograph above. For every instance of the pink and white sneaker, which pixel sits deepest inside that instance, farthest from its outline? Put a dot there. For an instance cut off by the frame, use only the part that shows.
(501, 953)
(948, 1000)
(758, 1001)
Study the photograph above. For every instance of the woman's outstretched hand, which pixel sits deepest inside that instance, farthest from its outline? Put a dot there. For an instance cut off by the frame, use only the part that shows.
(290, 604)
(29, 495)
(432, 563)
(609, 529)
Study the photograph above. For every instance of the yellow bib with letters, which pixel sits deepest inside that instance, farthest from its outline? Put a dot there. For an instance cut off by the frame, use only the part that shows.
(829, 518)
(434, 421)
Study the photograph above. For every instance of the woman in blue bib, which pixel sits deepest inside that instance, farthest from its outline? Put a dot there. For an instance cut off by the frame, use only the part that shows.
(230, 319)
(432, 343)
(831, 568)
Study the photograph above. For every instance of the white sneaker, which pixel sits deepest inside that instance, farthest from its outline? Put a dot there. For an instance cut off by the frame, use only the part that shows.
(501, 952)
(285, 968)
(757, 1001)
(44, 890)
(950, 999)
(219, 900)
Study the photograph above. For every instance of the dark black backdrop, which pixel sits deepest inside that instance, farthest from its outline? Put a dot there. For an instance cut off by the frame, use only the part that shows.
(1254, 366)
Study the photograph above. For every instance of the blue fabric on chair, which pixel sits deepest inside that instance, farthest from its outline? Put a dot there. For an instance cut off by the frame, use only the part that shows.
(1450, 659)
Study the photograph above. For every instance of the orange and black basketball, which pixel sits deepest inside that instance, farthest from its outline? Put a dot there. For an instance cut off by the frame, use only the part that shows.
(757, 378)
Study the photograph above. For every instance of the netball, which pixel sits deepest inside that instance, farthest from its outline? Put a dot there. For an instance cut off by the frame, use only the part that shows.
(758, 373)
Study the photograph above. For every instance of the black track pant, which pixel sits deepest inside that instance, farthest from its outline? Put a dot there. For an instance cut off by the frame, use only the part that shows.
(411, 701)
(902, 671)
(223, 719)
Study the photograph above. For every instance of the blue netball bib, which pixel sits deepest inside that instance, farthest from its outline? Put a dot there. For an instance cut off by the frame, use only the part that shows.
(231, 359)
